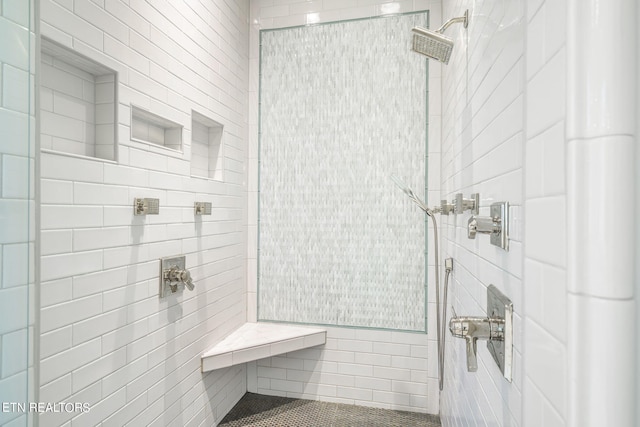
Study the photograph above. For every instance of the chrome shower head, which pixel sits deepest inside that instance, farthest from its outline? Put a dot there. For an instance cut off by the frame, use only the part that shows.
(434, 44)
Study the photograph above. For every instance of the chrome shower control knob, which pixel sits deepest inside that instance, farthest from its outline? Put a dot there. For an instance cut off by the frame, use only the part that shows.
(174, 273)
(446, 208)
(497, 330)
(462, 204)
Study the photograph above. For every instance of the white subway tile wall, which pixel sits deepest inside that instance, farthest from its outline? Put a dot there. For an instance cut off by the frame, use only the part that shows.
(503, 138)
(383, 369)
(482, 152)
(497, 125)
(17, 229)
(545, 331)
(369, 390)
(107, 338)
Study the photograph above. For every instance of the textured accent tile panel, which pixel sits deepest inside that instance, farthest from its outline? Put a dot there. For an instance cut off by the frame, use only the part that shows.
(343, 106)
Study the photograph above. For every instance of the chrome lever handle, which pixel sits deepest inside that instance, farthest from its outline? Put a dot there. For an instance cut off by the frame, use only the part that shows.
(472, 360)
(182, 276)
(483, 225)
(472, 228)
(472, 329)
(496, 328)
(185, 277)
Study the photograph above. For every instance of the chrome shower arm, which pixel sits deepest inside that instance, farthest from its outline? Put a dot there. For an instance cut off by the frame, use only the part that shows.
(464, 19)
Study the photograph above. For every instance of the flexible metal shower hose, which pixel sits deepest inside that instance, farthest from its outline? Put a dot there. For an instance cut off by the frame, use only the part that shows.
(440, 314)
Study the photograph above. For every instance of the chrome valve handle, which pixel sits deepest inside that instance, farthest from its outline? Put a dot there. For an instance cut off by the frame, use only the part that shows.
(175, 276)
(496, 225)
(496, 328)
(472, 329)
(472, 204)
(446, 208)
(185, 277)
(482, 225)
(173, 273)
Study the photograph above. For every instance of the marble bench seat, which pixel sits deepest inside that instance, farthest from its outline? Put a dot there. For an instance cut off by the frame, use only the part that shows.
(253, 341)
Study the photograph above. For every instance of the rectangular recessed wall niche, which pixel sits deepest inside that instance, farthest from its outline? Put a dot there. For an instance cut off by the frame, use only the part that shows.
(206, 147)
(151, 128)
(77, 103)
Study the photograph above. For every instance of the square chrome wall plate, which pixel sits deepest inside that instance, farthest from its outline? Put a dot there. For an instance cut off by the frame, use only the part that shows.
(146, 206)
(168, 286)
(500, 215)
(501, 307)
(202, 208)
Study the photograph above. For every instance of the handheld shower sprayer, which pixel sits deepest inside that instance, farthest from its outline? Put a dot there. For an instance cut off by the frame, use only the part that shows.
(440, 318)
(409, 192)
(434, 44)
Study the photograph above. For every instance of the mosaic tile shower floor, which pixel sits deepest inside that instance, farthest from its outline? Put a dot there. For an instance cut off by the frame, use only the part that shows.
(271, 411)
